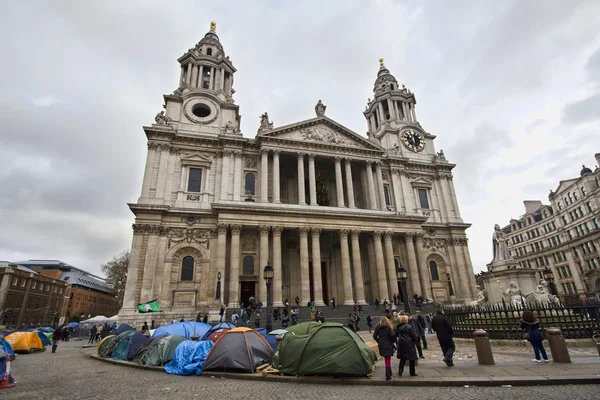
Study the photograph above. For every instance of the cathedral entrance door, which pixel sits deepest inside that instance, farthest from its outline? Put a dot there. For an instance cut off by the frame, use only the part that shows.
(248, 290)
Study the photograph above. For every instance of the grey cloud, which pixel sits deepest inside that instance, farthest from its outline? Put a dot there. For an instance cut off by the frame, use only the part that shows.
(582, 111)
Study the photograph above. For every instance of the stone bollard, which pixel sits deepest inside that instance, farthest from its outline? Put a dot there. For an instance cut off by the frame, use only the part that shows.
(558, 346)
(483, 347)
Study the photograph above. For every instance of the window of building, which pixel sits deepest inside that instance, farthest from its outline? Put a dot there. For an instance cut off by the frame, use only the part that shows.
(559, 205)
(187, 268)
(423, 199)
(15, 281)
(583, 190)
(386, 194)
(33, 284)
(60, 291)
(250, 184)
(195, 179)
(248, 265)
(23, 281)
(434, 271)
(209, 52)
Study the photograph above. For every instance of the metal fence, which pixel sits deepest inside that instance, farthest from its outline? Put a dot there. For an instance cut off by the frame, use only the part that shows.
(575, 320)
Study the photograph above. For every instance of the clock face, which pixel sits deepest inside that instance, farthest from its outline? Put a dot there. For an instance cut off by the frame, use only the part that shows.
(414, 141)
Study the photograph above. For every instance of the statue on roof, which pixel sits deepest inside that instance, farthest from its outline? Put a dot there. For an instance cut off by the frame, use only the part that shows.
(320, 109)
(162, 119)
(265, 124)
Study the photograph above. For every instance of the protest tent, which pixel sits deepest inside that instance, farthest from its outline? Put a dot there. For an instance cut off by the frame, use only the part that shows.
(213, 336)
(25, 342)
(240, 349)
(331, 349)
(7, 348)
(45, 340)
(185, 329)
(121, 328)
(128, 345)
(145, 346)
(272, 337)
(104, 345)
(217, 327)
(161, 351)
(189, 357)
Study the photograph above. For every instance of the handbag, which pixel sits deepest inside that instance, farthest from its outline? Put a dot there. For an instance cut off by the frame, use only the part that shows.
(526, 335)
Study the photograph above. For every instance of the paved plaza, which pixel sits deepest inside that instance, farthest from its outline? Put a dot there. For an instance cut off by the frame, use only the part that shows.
(71, 374)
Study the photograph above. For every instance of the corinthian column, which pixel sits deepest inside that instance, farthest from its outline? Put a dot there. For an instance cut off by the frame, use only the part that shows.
(372, 199)
(277, 267)
(264, 259)
(133, 271)
(221, 249)
(304, 269)
(349, 184)
(276, 190)
(301, 199)
(413, 270)
(312, 181)
(149, 266)
(264, 176)
(380, 186)
(234, 267)
(381, 279)
(316, 270)
(358, 274)
(391, 265)
(339, 184)
(346, 276)
(424, 274)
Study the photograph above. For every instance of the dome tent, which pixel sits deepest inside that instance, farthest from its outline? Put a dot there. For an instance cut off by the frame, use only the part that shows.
(128, 345)
(240, 349)
(185, 329)
(104, 345)
(25, 342)
(142, 350)
(330, 349)
(216, 328)
(160, 351)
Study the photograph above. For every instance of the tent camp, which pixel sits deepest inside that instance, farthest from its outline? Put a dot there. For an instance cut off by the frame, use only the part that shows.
(45, 340)
(25, 342)
(104, 345)
(213, 336)
(272, 337)
(185, 329)
(217, 327)
(189, 358)
(114, 343)
(305, 328)
(121, 328)
(88, 323)
(161, 350)
(331, 349)
(7, 348)
(128, 345)
(148, 343)
(240, 349)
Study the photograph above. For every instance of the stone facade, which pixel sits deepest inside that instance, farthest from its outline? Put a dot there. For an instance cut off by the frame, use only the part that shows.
(563, 236)
(332, 211)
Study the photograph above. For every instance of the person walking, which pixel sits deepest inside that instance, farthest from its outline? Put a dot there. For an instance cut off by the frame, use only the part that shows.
(443, 330)
(421, 320)
(405, 342)
(531, 331)
(313, 310)
(99, 331)
(356, 321)
(205, 319)
(360, 311)
(93, 334)
(284, 322)
(56, 338)
(429, 317)
(414, 323)
(351, 320)
(377, 304)
(145, 328)
(370, 322)
(333, 303)
(385, 337)
(221, 313)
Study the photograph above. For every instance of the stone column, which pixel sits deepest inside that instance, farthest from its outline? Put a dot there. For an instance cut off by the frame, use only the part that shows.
(373, 270)
(225, 175)
(264, 259)
(276, 191)
(212, 78)
(453, 196)
(301, 197)
(221, 253)
(574, 271)
(133, 270)
(188, 76)
(381, 275)
(181, 75)
(412, 110)
(391, 265)
(396, 110)
(264, 176)
(149, 265)
(200, 76)
(398, 190)
(382, 113)
(234, 267)
(407, 192)
(349, 184)
(316, 270)
(391, 108)
(372, 198)
(380, 185)
(424, 273)
(339, 183)
(312, 181)
(358, 274)
(346, 275)
(457, 278)
(441, 200)
(162, 171)
(194, 75)
(469, 267)
(237, 176)
(304, 269)
(413, 270)
(464, 279)
(277, 267)
(148, 170)
(222, 79)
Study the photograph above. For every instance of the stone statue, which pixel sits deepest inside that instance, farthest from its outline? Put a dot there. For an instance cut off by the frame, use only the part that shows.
(499, 243)
(162, 119)
(441, 155)
(265, 124)
(320, 109)
(515, 294)
(231, 127)
(542, 295)
(480, 300)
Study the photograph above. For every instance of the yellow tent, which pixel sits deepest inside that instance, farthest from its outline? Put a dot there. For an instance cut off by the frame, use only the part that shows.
(25, 342)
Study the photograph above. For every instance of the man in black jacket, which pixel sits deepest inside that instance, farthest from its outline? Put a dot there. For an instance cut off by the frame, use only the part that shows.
(443, 329)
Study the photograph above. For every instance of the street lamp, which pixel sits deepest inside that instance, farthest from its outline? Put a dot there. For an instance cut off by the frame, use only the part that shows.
(401, 276)
(268, 275)
(549, 277)
(218, 291)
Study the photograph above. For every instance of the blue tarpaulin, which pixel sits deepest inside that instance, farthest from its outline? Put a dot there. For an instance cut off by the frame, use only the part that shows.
(189, 358)
(185, 329)
(7, 348)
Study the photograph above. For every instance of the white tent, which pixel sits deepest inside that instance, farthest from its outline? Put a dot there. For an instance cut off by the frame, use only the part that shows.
(88, 323)
(112, 319)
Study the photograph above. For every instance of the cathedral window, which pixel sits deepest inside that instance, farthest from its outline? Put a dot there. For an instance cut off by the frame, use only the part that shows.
(248, 266)
(250, 184)
(391, 86)
(423, 199)
(209, 52)
(187, 268)
(206, 78)
(195, 180)
(386, 194)
(386, 110)
(434, 271)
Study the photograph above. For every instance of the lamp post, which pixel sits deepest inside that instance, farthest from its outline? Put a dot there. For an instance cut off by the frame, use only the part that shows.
(401, 276)
(218, 291)
(268, 275)
(549, 277)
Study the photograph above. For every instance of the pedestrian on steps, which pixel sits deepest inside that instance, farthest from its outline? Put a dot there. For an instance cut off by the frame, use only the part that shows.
(385, 337)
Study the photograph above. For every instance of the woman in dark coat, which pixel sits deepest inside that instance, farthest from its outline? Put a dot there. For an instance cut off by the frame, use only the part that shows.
(531, 326)
(406, 340)
(385, 337)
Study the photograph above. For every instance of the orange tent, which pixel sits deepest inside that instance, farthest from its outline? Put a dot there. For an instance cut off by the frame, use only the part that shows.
(25, 342)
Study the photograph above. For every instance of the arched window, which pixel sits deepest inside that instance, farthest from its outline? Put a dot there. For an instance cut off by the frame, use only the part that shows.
(249, 184)
(187, 268)
(209, 52)
(434, 271)
(391, 86)
(386, 194)
(248, 266)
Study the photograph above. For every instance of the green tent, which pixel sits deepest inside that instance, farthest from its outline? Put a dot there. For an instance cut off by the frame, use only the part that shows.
(305, 328)
(160, 351)
(330, 349)
(104, 345)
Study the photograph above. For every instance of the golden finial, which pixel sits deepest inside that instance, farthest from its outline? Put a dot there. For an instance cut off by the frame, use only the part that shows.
(381, 62)
(213, 26)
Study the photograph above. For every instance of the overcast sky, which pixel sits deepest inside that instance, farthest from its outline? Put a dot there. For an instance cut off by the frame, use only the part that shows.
(510, 88)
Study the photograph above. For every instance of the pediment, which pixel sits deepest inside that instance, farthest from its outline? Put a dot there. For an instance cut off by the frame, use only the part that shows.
(564, 184)
(321, 131)
(195, 159)
(420, 181)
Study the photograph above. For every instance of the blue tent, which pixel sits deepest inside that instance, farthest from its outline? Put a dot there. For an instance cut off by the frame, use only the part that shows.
(44, 338)
(121, 328)
(73, 325)
(7, 348)
(128, 346)
(262, 332)
(185, 329)
(214, 328)
(189, 358)
(46, 329)
(272, 337)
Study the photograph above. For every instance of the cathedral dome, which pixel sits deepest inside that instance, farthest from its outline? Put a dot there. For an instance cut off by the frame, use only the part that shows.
(385, 80)
(585, 170)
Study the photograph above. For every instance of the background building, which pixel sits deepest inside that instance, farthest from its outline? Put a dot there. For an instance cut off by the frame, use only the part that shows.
(563, 236)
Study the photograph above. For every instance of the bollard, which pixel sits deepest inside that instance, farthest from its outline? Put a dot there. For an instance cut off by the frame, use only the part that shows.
(483, 347)
(558, 346)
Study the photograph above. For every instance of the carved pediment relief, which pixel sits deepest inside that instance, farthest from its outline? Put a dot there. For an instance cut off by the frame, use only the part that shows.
(419, 181)
(318, 133)
(196, 159)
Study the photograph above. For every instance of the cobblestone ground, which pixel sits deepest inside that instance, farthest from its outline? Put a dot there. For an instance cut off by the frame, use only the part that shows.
(70, 374)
